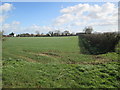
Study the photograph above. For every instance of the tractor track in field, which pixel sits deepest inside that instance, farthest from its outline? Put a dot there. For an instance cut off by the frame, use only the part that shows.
(27, 59)
(91, 63)
(24, 57)
(97, 60)
(47, 54)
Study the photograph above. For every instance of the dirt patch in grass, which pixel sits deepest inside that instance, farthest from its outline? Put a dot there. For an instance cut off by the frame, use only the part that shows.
(47, 54)
(50, 54)
(27, 59)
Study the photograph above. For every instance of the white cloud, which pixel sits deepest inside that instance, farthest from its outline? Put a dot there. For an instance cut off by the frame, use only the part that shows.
(106, 14)
(4, 9)
(41, 29)
(11, 27)
(17, 28)
(15, 23)
(65, 18)
(2, 18)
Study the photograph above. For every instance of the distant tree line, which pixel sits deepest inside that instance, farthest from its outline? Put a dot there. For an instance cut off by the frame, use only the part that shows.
(37, 34)
(86, 30)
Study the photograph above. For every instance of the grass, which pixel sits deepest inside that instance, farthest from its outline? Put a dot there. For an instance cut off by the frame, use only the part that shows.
(56, 62)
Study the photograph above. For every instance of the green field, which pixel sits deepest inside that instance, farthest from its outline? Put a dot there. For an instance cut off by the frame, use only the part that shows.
(56, 62)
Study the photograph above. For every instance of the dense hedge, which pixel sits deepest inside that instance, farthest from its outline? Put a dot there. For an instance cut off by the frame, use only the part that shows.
(98, 43)
(117, 48)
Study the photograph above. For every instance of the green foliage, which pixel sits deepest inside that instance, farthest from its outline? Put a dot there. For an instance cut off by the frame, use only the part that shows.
(12, 34)
(35, 75)
(98, 43)
(118, 48)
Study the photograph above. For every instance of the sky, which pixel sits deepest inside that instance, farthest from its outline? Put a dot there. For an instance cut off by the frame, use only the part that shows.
(29, 17)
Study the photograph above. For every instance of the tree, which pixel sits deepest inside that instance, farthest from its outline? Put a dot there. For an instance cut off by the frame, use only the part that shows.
(88, 30)
(37, 32)
(50, 33)
(56, 32)
(66, 33)
(11, 34)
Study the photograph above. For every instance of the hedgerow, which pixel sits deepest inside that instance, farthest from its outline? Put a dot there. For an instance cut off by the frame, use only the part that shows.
(98, 43)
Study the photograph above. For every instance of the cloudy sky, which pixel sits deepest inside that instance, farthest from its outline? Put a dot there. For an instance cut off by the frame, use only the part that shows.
(29, 17)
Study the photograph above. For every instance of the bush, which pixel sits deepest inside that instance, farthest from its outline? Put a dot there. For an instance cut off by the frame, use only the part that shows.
(98, 43)
(117, 49)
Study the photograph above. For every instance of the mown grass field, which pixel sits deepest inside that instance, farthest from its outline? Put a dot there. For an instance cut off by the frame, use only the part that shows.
(56, 62)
